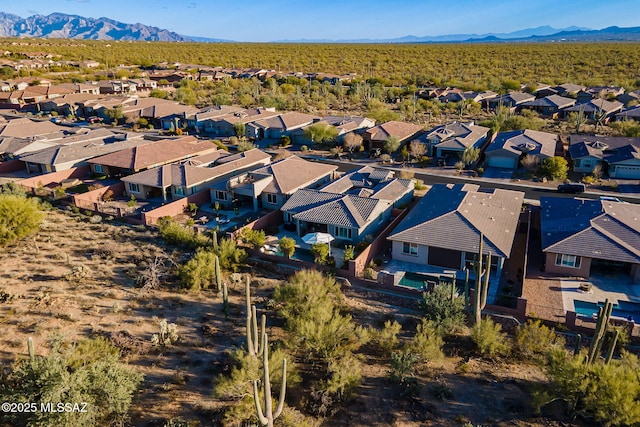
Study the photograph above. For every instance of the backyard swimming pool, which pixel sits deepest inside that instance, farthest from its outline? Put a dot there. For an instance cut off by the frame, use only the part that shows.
(623, 310)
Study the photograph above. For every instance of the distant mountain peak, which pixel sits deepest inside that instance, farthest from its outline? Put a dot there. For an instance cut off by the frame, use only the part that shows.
(61, 25)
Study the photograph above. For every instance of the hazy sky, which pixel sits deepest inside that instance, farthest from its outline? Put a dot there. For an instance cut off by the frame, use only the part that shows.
(267, 20)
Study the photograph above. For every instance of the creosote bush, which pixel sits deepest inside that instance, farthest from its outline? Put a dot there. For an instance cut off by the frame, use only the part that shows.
(489, 338)
(19, 217)
(88, 371)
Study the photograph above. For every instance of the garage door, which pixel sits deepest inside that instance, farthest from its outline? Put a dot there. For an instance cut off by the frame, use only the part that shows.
(629, 172)
(502, 162)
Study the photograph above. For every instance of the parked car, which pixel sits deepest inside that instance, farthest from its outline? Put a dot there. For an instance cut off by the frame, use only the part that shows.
(572, 187)
(611, 199)
(94, 119)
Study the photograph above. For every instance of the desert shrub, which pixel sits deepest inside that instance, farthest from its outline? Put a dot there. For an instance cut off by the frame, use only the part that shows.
(446, 312)
(287, 246)
(19, 217)
(180, 235)
(313, 306)
(167, 335)
(403, 368)
(304, 148)
(369, 273)
(236, 387)
(534, 340)
(320, 252)
(387, 337)
(220, 144)
(254, 238)
(489, 338)
(555, 168)
(427, 342)
(229, 254)
(199, 272)
(68, 374)
(606, 392)
(349, 253)
(420, 185)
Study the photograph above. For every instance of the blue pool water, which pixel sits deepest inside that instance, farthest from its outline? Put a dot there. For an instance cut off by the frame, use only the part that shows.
(623, 309)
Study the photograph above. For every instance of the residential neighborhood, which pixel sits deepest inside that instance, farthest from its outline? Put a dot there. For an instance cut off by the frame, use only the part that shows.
(520, 203)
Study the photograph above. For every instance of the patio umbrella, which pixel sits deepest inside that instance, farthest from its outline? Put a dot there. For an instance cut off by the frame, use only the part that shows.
(313, 238)
(317, 237)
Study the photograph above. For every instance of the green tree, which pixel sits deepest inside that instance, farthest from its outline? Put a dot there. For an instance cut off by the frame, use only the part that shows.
(157, 93)
(320, 133)
(115, 114)
(88, 371)
(320, 252)
(352, 142)
(391, 145)
(19, 217)
(239, 129)
(444, 307)
(287, 246)
(255, 238)
(199, 272)
(607, 392)
(555, 167)
(489, 338)
(229, 254)
(535, 340)
(470, 155)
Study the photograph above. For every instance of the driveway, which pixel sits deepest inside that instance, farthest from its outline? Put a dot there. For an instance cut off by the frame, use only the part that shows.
(497, 173)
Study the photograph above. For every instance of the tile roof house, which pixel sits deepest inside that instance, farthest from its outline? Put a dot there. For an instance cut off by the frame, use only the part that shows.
(596, 106)
(452, 139)
(375, 183)
(270, 186)
(199, 120)
(172, 181)
(350, 208)
(443, 229)
(27, 128)
(632, 113)
(594, 92)
(347, 217)
(279, 125)
(376, 136)
(506, 150)
(582, 236)
(619, 157)
(629, 97)
(76, 150)
(151, 154)
(343, 124)
(510, 100)
(549, 106)
(223, 125)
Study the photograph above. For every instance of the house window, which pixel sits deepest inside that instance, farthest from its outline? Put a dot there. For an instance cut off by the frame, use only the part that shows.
(193, 189)
(97, 168)
(221, 195)
(272, 198)
(343, 232)
(470, 260)
(565, 260)
(134, 188)
(410, 249)
(586, 164)
(576, 163)
(179, 191)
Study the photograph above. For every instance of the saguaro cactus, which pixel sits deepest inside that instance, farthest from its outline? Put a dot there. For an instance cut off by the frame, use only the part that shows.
(218, 273)
(267, 417)
(30, 348)
(482, 283)
(225, 300)
(604, 313)
(253, 347)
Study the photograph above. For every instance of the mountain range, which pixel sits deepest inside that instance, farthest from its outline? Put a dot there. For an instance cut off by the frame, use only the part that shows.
(59, 25)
